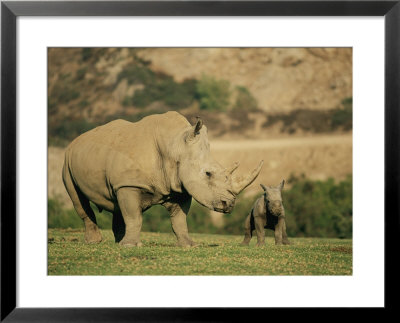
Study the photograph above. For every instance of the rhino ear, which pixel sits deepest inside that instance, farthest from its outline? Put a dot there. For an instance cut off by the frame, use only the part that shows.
(195, 130)
(198, 126)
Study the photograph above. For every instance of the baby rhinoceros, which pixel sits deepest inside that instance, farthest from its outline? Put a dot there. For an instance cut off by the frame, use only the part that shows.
(267, 213)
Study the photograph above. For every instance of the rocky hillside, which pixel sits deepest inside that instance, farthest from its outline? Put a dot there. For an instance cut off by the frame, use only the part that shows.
(280, 79)
(239, 92)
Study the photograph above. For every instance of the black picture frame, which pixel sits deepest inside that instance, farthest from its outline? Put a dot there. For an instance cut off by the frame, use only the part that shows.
(10, 10)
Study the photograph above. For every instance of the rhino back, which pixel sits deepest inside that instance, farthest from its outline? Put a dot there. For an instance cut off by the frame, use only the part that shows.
(121, 153)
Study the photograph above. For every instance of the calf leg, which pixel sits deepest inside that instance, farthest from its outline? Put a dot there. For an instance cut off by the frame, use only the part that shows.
(285, 239)
(260, 224)
(129, 204)
(178, 211)
(248, 232)
(279, 230)
(82, 207)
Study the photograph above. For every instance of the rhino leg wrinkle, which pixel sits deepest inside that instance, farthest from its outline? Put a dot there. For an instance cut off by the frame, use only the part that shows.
(126, 167)
(267, 213)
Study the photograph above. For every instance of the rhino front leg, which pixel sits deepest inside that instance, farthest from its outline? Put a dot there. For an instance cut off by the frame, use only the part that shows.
(129, 204)
(178, 211)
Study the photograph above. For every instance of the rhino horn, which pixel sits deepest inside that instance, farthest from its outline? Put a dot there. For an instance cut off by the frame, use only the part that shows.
(240, 183)
(233, 168)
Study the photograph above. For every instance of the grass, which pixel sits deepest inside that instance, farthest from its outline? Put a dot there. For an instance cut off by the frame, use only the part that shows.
(215, 255)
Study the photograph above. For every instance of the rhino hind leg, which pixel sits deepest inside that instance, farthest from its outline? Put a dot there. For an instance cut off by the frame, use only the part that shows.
(118, 226)
(82, 207)
(129, 202)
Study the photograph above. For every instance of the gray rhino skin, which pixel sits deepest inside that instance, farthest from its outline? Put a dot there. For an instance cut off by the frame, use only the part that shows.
(267, 213)
(125, 168)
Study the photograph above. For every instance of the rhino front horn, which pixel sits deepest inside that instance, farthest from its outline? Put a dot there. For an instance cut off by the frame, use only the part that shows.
(240, 183)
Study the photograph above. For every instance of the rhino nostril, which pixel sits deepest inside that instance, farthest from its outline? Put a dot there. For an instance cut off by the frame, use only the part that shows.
(224, 204)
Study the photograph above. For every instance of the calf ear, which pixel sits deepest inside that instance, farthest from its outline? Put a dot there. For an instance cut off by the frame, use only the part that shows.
(265, 190)
(282, 184)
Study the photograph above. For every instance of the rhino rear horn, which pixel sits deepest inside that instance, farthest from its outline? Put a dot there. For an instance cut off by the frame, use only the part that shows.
(233, 167)
(240, 183)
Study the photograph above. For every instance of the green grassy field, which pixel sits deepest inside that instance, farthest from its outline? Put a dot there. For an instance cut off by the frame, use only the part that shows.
(215, 255)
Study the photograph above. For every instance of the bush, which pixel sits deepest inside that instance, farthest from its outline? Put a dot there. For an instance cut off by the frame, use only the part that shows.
(316, 121)
(71, 128)
(319, 208)
(157, 87)
(212, 94)
(244, 100)
(137, 74)
(64, 92)
(86, 54)
(343, 118)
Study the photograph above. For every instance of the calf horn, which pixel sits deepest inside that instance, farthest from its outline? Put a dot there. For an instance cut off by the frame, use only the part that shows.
(240, 183)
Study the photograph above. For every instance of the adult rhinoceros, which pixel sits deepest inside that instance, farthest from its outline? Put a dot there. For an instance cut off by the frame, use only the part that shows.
(126, 168)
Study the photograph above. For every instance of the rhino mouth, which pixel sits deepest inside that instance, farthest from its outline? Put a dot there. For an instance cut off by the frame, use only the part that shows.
(224, 206)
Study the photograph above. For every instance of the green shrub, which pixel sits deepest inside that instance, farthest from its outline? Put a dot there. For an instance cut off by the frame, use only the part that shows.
(316, 121)
(199, 219)
(137, 74)
(319, 208)
(58, 217)
(156, 219)
(342, 118)
(64, 92)
(86, 54)
(80, 74)
(347, 102)
(180, 95)
(244, 100)
(71, 128)
(212, 94)
(157, 87)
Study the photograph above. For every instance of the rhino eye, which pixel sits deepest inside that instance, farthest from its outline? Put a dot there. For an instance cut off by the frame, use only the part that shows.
(208, 174)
